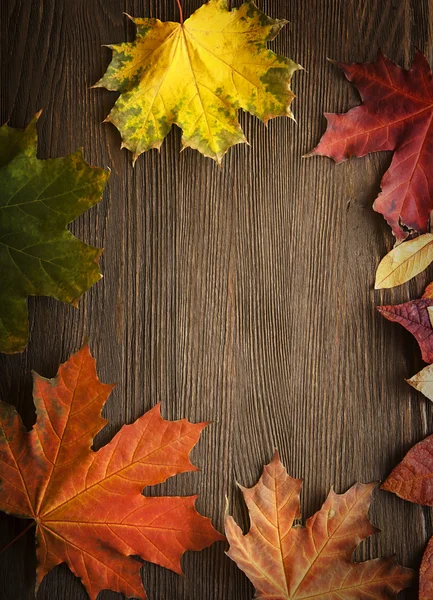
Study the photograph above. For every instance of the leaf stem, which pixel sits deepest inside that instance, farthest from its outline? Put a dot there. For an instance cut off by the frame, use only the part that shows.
(179, 5)
(23, 532)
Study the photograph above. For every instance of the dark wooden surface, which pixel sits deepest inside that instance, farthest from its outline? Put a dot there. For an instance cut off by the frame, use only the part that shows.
(240, 295)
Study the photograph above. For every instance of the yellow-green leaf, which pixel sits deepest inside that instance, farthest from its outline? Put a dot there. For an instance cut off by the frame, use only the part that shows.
(423, 381)
(197, 74)
(405, 261)
(38, 255)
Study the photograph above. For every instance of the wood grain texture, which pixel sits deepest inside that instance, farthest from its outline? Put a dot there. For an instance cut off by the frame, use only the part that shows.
(242, 295)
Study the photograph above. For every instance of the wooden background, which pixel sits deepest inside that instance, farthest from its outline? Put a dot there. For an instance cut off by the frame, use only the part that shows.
(240, 295)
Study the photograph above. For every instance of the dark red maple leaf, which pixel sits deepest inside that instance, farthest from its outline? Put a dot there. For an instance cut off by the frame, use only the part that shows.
(396, 114)
(414, 316)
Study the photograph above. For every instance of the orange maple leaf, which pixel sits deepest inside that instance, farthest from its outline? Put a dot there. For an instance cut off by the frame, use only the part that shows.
(285, 562)
(88, 506)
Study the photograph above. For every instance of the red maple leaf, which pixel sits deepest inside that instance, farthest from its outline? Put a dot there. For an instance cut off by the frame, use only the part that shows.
(88, 506)
(414, 316)
(396, 114)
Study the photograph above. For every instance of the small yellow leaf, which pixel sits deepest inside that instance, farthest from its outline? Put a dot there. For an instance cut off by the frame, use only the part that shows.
(423, 381)
(430, 314)
(404, 262)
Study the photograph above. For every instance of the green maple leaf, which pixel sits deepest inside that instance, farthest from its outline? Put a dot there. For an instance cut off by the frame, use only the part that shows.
(38, 255)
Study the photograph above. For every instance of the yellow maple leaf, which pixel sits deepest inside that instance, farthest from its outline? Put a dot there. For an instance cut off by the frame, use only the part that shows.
(197, 74)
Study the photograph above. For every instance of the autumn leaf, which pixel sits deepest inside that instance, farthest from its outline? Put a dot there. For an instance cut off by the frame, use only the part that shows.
(286, 562)
(404, 262)
(412, 480)
(197, 74)
(415, 317)
(38, 255)
(397, 115)
(87, 506)
(428, 292)
(426, 573)
(423, 381)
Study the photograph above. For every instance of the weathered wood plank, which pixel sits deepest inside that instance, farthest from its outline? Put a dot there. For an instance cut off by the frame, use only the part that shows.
(242, 296)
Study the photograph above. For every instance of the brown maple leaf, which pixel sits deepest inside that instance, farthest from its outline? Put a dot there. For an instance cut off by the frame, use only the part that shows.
(88, 506)
(426, 573)
(286, 562)
(412, 480)
(396, 114)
